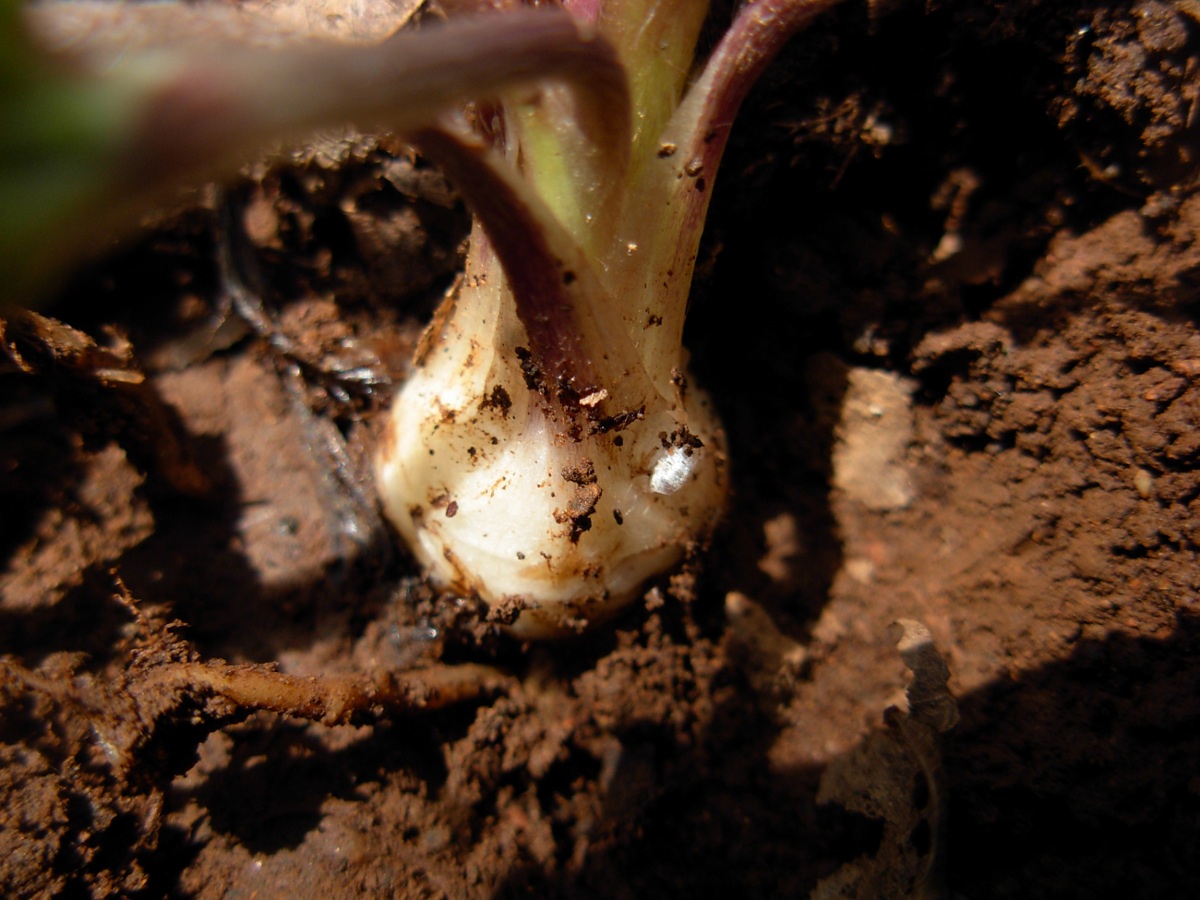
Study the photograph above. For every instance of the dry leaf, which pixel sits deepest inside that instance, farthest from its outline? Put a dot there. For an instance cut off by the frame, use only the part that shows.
(896, 776)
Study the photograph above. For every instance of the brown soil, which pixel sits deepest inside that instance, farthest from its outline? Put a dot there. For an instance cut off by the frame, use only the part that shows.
(949, 312)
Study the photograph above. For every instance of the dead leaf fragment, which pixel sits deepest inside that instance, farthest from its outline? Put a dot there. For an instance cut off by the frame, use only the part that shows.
(896, 776)
(929, 699)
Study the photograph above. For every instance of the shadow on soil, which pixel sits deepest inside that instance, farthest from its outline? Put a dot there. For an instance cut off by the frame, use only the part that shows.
(1074, 780)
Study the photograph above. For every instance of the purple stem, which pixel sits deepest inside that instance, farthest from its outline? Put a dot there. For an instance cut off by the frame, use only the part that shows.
(232, 94)
(758, 33)
(756, 36)
(553, 286)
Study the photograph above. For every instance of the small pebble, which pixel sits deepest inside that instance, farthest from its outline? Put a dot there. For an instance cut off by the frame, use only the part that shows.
(1144, 482)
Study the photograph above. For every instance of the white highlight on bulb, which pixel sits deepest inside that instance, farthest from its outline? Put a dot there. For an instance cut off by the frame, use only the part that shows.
(672, 470)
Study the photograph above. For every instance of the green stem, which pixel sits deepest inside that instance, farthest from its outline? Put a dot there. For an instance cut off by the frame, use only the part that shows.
(577, 340)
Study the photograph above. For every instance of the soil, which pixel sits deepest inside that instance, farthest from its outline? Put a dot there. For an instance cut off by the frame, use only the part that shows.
(948, 309)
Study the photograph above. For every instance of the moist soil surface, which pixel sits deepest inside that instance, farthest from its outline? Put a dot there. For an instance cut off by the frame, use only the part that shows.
(948, 309)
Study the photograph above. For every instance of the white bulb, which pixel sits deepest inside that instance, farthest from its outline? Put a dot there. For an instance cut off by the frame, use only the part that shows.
(496, 498)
